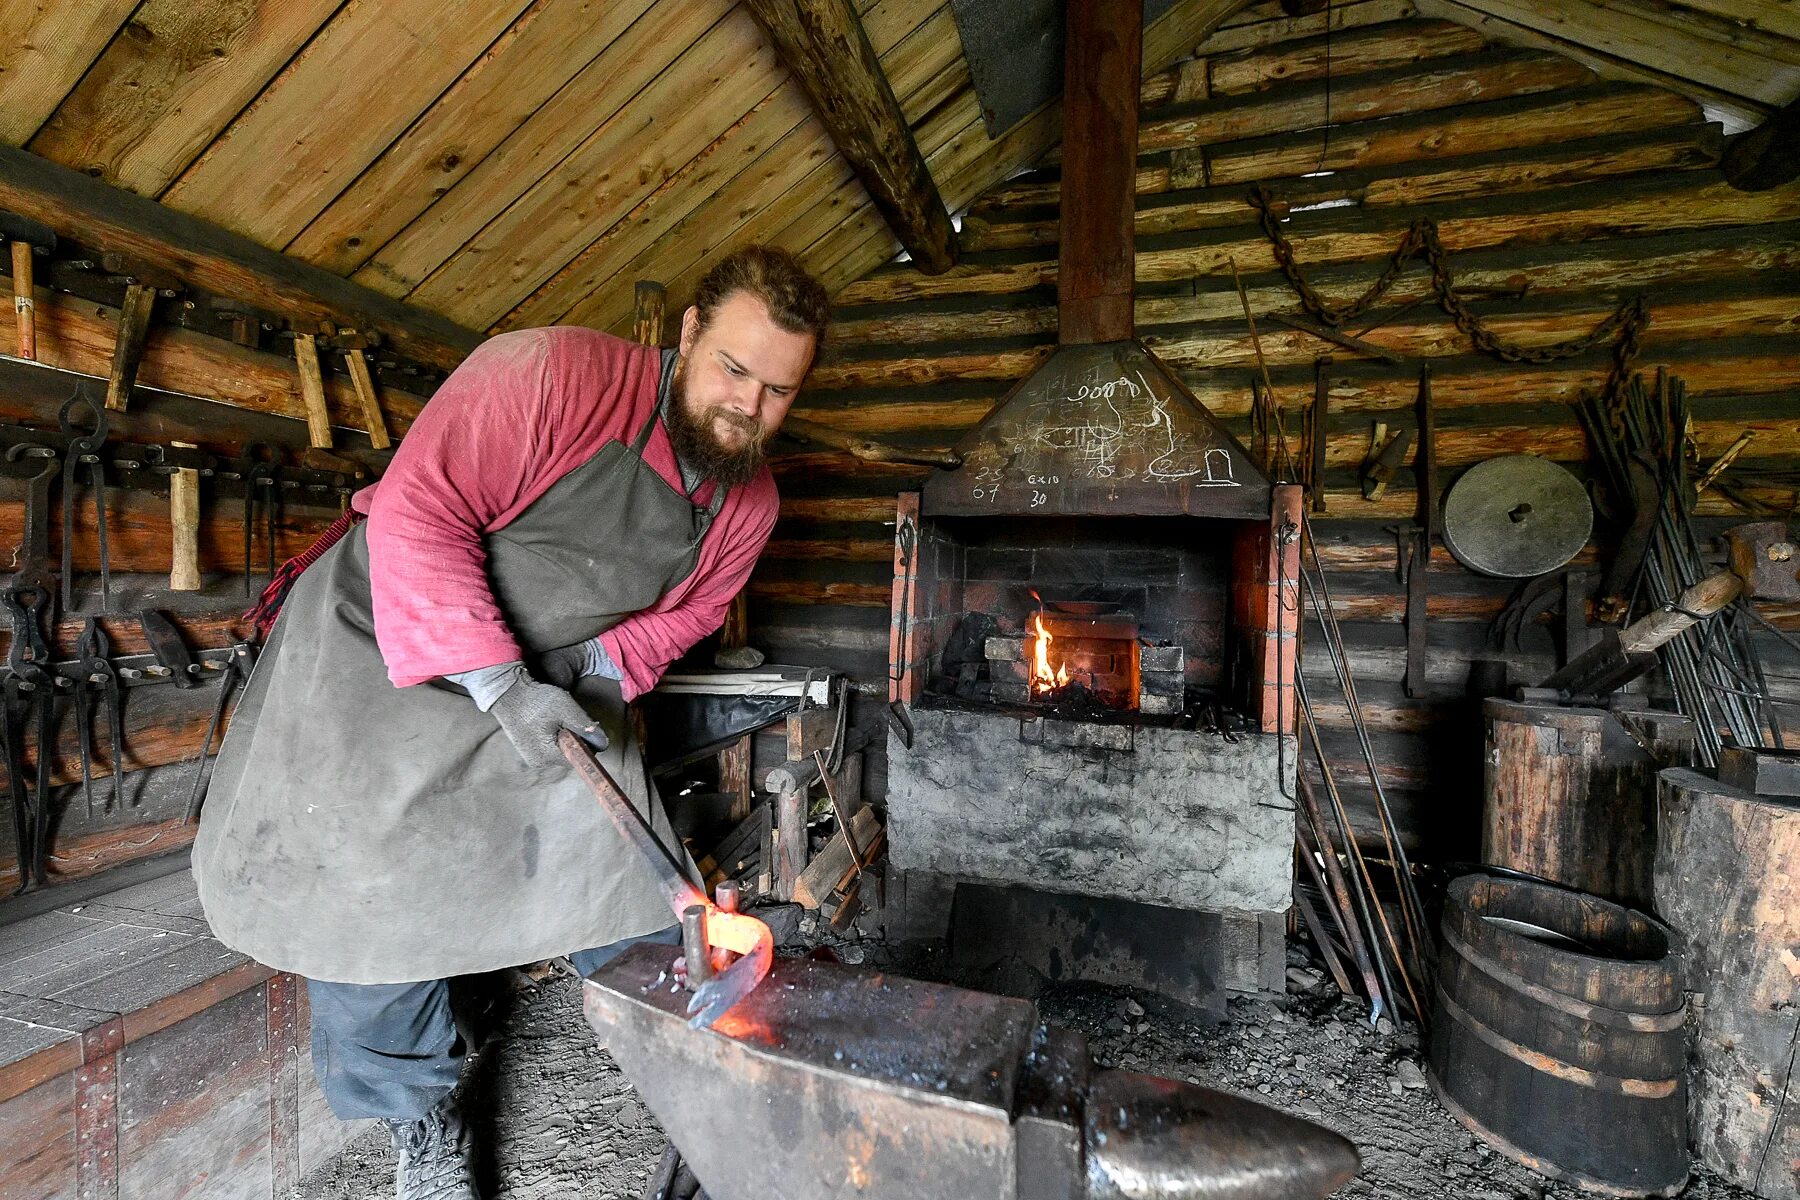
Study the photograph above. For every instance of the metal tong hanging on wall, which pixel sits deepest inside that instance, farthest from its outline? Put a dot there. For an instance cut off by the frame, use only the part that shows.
(30, 689)
(83, 450)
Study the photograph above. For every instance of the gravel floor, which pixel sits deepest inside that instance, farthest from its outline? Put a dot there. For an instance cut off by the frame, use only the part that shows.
(567, 1123)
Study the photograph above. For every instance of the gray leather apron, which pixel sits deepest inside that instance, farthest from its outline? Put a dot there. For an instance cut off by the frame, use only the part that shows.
(362, 833)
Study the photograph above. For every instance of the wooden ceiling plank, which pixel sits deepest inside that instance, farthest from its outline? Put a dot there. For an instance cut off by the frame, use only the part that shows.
(543, 50)
(1631, 39)
(761, 174)
(751, 205)
(550, 135)
(614, 168)
(1734, 109)
(49, 44)
(216, 260)
(1696, 26)
(165, 87)
(355, 88)
(826, 51)
(1779, 17)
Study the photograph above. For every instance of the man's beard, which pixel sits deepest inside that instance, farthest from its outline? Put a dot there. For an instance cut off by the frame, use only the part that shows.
(696, 441)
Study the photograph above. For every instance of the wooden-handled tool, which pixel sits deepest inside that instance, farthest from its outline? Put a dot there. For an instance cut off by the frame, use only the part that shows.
(184, 523)
(1622, 655)
(28, 237)
(312, 391)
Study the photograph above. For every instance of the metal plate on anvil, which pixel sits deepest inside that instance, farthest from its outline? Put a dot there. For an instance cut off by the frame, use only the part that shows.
(1516, 517)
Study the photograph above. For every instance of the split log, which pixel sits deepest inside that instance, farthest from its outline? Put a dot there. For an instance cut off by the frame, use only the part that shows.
(828, 871)
(1353, 52)
(867, 449)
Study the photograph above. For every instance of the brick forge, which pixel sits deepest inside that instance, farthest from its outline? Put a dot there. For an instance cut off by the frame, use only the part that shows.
(1134, 815)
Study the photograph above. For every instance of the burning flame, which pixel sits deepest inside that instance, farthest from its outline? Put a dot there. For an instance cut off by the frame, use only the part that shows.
(1043, 679)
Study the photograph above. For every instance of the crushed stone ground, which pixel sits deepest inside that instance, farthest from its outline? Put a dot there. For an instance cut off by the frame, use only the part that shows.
(564, 1122)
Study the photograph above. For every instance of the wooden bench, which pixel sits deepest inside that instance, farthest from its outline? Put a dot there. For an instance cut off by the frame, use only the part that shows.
(141, 1058)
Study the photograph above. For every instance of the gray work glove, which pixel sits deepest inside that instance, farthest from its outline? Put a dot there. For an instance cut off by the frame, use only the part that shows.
(567, 665)
(532, 714)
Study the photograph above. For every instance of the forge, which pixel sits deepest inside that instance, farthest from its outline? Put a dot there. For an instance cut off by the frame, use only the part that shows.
(1094, 631)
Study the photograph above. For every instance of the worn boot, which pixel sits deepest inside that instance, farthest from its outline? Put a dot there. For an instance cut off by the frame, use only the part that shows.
(434, 1156)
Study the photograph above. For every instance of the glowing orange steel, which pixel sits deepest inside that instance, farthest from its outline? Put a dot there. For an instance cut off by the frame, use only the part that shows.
(1043, 678)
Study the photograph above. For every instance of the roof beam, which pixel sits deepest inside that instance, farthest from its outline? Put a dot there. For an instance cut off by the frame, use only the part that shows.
(824, 47)
(1766, 157)
(216, 260)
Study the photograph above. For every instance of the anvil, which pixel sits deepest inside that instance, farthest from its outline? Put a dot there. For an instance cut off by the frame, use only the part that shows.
(831, 1081)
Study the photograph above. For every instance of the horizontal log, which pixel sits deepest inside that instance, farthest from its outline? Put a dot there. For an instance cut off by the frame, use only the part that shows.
(810, 591)
(840, 508)
(201, 629)
(1574, 135)
(831, 550)
(78, 336)
(1264, 25)
(1610, 268)
(139, 534)
(89, 855)
(218, 261)
(1339, 56)
(1649, 204)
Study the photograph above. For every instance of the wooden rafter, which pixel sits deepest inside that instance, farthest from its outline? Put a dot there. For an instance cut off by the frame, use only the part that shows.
(218, 261)
(825, 49)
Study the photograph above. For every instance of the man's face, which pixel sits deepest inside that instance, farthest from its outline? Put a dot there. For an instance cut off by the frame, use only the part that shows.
(736, 380)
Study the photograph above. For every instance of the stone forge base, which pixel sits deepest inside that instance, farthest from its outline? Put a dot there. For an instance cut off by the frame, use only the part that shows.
(1165, 819)
(1197, 958)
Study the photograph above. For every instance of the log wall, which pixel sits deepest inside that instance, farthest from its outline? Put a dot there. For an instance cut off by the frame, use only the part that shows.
(1563, 193)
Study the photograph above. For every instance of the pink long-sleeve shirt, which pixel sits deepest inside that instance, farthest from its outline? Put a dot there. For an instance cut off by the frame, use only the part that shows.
(522, 411)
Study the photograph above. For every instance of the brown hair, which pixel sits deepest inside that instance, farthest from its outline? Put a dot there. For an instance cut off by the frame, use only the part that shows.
(796, 301)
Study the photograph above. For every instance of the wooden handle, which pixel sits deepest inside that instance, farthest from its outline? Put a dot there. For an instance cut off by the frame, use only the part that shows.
(649, 298)
(24, 304)
(312, 391)
(184, 524)
(134, 327)
(371, 402)
(1702, 600)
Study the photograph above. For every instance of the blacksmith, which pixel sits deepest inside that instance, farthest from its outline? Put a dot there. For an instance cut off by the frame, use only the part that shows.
(568, 515)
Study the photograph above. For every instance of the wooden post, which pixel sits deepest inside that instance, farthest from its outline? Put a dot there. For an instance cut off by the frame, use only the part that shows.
(184, 523)
(1097, 270)
(647, 321)
(790, 839)
(312, 391)
(134, 327)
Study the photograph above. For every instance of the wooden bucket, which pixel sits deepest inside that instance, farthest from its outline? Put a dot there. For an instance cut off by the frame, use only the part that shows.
(1557, 1034)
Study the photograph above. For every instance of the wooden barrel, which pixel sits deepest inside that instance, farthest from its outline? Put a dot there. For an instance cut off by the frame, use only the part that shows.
(1728, 881)
(1571, 793)
(1557, 1034)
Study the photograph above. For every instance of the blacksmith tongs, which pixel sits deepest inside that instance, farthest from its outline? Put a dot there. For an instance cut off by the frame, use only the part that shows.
(84, 448)
(736, 932)
(30, 704)
(95, 666)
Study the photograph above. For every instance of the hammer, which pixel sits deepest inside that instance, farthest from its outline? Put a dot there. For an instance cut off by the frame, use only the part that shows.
(26, 236)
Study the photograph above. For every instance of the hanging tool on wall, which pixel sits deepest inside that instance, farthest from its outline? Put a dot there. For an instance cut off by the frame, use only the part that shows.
(28, 237)
(236, 670)
(257, 469)
(312, 390)
(142, 286)
(1386, 452)
(30, 702)
(355, 347)
(97, 671)
(171, 652)
(84, 449)
(1419, 564)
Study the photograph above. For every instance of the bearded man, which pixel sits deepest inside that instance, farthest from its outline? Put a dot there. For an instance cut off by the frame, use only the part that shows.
(567, 516)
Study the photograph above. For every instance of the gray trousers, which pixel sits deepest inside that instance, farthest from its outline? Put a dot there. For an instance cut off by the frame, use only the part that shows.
(391, 1050)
